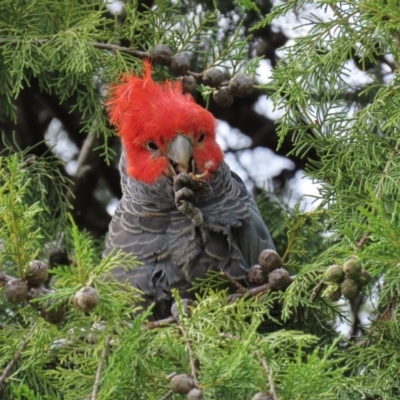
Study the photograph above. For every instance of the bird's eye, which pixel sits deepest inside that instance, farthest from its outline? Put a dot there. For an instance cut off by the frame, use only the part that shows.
(152, 146)
(201, 137)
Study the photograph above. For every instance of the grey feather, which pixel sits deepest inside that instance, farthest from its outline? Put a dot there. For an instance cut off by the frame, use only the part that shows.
(148, 224)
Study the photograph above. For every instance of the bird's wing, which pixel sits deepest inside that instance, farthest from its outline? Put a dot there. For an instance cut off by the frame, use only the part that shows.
(233, 212)
(253, 236)
(139, 230)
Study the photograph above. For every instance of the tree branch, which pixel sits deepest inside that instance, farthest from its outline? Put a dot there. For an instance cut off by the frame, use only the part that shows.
(192, 359)
(99, 372)
(168, 395)
(17, 355)
(269, 376)
(113, 47)
(317, 291)
(234, 283)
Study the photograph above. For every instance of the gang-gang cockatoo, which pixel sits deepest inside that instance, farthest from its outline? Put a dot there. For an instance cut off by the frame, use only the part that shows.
(183, 212)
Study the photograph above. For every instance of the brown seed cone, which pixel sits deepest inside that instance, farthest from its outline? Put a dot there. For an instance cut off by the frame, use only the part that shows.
(270, 260)
(161, 54)
(352, 268)
(53, 313)
(182, 384)
(349, 288)
(279, 279)
(241, 85)
(213, 77)
(334, 274)
(333, 293)
(15, 291)
(195, 394)
(262, 396)
(189, 84)
(86, 299)
(257, 275)
(37, 273)
(223, 97)
(364, 278)
(179, 64)
(3, 279)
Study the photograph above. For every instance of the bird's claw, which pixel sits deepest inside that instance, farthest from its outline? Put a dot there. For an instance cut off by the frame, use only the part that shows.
(188, 187)
(198, 185)
(193, 213)
(184, 194)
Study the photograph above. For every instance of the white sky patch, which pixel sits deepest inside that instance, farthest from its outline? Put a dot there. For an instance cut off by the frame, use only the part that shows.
(294, 23)
(235, 166)
(259, 164)
(263, 164)
(115, 7)
(71, 167)
(112, 205)
(264, 106)
(264, 72)
(305, 189)
(230, 138)
(388, 74)
(344, 327)
(57, 139)
(354, 76)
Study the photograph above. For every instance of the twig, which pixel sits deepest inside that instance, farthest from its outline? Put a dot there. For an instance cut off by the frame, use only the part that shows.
(86, 162)
(269, 376)
(158, 323)
(253, 292)
(192, 359)
(355, 305)
(362, 241)
(234, 283)
(113, 47)
(80, 194)
(17, 355)
(86, 151)
(167, 395)
(317, 290)
(100, 367)
(4, 278)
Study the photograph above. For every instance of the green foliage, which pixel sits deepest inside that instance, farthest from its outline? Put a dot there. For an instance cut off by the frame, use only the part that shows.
(275, 341)
(357, 142)
(31, 196)
(231, 341)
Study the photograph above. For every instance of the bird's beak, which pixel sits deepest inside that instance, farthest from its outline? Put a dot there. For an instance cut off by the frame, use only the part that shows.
(180, 153)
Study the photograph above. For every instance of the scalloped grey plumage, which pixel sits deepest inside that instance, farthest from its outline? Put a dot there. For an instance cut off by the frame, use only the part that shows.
(147, 223)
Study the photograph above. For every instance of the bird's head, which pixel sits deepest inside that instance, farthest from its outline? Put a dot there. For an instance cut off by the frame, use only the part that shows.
(164, 132)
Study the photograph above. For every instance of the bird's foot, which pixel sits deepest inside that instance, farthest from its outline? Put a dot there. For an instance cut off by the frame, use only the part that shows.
(199, 186)
(193, 213)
